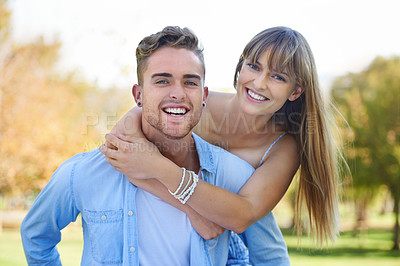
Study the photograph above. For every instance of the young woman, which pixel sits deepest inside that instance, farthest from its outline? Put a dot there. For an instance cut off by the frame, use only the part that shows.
(277, 121)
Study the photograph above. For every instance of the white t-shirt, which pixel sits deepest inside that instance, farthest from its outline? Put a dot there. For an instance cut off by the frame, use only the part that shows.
(163, 232)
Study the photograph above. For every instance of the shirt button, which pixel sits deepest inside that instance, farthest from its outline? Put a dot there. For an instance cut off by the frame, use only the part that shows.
(132, 249)
(103, 218)
(130, 213)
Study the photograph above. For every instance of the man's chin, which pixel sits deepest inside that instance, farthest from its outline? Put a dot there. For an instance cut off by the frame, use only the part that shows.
(172, 131)
(175, 135)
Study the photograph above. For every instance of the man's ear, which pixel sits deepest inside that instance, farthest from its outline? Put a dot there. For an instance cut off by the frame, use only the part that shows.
(205, 95)
(296, 94)
(138, 94)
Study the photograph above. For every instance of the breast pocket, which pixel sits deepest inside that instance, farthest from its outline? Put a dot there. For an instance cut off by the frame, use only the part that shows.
(105, 229)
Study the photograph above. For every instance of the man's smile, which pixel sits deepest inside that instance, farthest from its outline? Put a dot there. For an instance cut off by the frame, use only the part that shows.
(175, 111)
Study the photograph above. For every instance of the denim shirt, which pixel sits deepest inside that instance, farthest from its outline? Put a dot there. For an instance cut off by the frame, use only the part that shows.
(87, 184)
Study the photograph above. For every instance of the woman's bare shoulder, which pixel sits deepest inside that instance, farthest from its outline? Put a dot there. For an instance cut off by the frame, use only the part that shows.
(217, 102)
(216, 96)
(286, 147)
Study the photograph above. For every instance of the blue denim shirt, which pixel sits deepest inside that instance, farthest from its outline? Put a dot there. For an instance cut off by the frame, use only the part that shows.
(87, 184)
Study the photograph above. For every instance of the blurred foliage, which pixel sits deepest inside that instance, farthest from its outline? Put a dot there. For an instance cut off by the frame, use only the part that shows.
(45, 117)
(4, 20)
(370, 102)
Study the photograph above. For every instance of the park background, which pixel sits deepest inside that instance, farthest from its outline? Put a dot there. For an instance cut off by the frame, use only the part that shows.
(66, 69)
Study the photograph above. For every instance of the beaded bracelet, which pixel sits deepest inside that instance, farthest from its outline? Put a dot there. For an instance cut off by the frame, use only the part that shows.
(185, 190)
(192, 187)
(188, 190)
(180, 185)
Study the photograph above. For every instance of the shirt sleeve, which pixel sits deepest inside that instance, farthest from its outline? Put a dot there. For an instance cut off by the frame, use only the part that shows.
(238, 255)
(52, 210)
(265, 242)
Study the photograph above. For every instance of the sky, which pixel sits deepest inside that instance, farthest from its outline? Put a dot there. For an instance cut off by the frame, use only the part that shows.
(100, 37)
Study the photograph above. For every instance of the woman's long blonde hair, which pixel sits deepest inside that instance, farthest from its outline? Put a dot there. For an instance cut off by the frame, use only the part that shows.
(307, 119)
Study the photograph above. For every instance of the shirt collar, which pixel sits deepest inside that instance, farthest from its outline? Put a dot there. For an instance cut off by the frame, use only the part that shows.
(205, 153)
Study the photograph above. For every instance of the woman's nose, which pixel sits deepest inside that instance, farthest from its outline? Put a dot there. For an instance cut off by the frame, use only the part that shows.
(260, 82)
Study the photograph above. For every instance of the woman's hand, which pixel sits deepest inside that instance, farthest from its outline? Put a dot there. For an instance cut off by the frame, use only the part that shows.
(204, 227)
(132, 156)
(135, 158)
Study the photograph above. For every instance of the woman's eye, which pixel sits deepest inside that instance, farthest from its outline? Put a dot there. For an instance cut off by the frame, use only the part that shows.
(277, 77)
(253, 66)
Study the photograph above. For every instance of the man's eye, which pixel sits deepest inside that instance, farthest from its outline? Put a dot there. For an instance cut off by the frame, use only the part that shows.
(161, 82)
(191, 83)
(253, 66)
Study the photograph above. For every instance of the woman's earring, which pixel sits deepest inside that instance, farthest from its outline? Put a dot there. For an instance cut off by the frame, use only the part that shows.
(139, 104)
(204, 104)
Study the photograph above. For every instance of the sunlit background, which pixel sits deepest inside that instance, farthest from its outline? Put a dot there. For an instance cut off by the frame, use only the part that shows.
(99, 37)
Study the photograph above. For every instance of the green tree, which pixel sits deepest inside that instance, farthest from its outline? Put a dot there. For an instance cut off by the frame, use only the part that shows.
(370, 102)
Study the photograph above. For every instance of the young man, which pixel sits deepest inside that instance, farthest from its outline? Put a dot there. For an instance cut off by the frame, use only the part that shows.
(122, 224)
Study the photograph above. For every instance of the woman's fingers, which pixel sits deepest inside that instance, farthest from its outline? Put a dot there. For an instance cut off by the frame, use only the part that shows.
(115, 148)
(110, 146)
(133, 156)
(113, 140)
(121, 145)
(114, 164)
(108, 152)
(130, 139)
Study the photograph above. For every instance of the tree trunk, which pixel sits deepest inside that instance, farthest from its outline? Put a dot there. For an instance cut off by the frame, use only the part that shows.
(361, 224)
(396, 223)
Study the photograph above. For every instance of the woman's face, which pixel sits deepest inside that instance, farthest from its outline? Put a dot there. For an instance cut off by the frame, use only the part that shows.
(262, 90)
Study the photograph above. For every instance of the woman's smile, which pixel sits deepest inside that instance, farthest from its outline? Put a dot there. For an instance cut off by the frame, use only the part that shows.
(255, 97)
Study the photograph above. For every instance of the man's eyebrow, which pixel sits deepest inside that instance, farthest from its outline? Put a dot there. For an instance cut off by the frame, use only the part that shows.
(191, 76)
(167, 75)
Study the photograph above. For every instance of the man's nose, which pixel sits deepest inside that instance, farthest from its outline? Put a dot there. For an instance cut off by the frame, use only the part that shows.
(178, 92)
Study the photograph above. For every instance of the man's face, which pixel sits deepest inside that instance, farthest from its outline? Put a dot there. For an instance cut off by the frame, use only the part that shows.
(172, 92)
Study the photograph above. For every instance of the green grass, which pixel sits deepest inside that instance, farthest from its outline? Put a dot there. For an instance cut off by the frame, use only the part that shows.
(11, 252)
(70, 247)
(372, 247)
